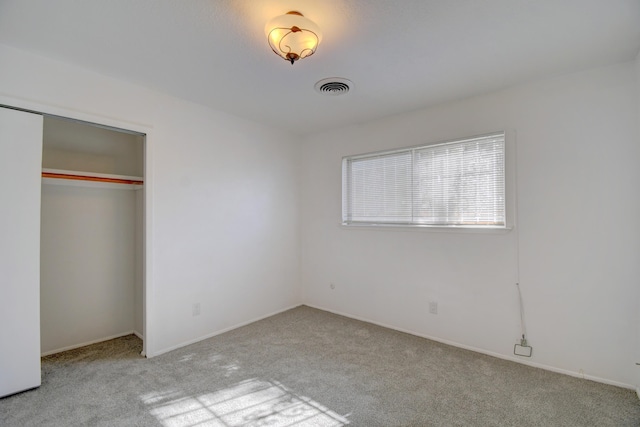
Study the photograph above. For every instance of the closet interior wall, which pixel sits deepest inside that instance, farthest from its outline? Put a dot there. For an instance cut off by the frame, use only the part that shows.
(91, 236)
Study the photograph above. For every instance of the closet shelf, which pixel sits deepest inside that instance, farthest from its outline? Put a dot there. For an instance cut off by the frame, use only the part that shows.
(90, 179)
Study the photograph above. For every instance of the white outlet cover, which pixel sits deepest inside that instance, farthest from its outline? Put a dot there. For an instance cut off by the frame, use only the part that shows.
(433, 307)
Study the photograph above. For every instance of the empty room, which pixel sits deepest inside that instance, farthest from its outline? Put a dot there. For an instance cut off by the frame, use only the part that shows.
(320, 213)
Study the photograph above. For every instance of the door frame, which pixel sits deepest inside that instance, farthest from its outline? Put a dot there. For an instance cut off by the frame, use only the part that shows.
(147, 228)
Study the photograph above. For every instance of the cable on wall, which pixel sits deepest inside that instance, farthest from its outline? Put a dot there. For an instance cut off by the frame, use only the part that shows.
(521, 349)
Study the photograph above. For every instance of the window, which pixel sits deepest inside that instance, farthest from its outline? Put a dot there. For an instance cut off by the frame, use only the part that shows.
(453, 184)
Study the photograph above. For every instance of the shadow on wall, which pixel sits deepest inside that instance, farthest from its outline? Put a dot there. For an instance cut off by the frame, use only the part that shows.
(250, 403)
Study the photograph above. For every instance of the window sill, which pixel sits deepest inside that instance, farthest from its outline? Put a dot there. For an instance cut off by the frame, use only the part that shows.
(428, 228)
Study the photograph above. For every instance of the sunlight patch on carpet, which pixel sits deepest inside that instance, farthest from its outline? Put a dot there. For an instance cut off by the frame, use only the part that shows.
(251, 403)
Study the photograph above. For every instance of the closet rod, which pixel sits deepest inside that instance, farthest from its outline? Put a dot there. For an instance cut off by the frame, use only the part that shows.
(91, 178)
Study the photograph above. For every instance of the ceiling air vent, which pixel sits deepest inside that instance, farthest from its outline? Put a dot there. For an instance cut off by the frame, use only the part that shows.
(333, 86)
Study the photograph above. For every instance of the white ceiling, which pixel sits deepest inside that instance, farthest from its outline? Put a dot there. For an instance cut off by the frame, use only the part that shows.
(401, 55)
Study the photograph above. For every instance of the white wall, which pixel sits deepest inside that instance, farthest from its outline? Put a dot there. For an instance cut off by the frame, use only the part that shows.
(87, 265)
(577, 184)
(224, 192)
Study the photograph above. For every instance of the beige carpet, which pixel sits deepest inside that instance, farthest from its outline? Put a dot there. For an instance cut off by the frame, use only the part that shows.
(306, 367)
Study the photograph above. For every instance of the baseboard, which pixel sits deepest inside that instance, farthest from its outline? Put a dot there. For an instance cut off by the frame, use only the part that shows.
(213, 334)
(71, 347)
(638, 392)
(486, 352)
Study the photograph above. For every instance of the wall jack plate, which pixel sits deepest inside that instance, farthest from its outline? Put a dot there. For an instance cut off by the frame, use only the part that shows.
(522, 350)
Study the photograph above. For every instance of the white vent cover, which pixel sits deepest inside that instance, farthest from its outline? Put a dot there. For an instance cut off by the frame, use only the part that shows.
(333, 86)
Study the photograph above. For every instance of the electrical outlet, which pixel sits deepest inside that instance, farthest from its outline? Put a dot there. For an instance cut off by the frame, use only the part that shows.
(433, 307)
(195, 310)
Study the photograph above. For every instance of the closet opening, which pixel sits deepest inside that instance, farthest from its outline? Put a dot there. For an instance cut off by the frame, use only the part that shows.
(92, 236)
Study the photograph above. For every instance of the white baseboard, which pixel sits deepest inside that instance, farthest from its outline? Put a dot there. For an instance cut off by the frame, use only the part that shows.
(213, 334)
(488, 353)
(138, 334)
(71, 347)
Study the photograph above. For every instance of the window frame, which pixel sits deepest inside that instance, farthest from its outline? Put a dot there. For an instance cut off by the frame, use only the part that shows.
(510, 201)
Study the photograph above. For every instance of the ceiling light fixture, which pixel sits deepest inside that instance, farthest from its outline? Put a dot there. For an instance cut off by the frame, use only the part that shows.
(292, 36)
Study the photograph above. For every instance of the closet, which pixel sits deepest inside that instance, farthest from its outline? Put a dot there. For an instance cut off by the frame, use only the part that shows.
(91, 251)
(71, 252)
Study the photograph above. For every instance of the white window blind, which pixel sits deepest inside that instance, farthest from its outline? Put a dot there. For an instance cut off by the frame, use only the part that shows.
(457, 183)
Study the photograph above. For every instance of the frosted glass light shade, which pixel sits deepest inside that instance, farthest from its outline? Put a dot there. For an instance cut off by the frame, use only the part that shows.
(292, 36)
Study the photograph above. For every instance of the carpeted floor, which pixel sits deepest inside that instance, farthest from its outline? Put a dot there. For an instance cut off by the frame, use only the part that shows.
(306, 367)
